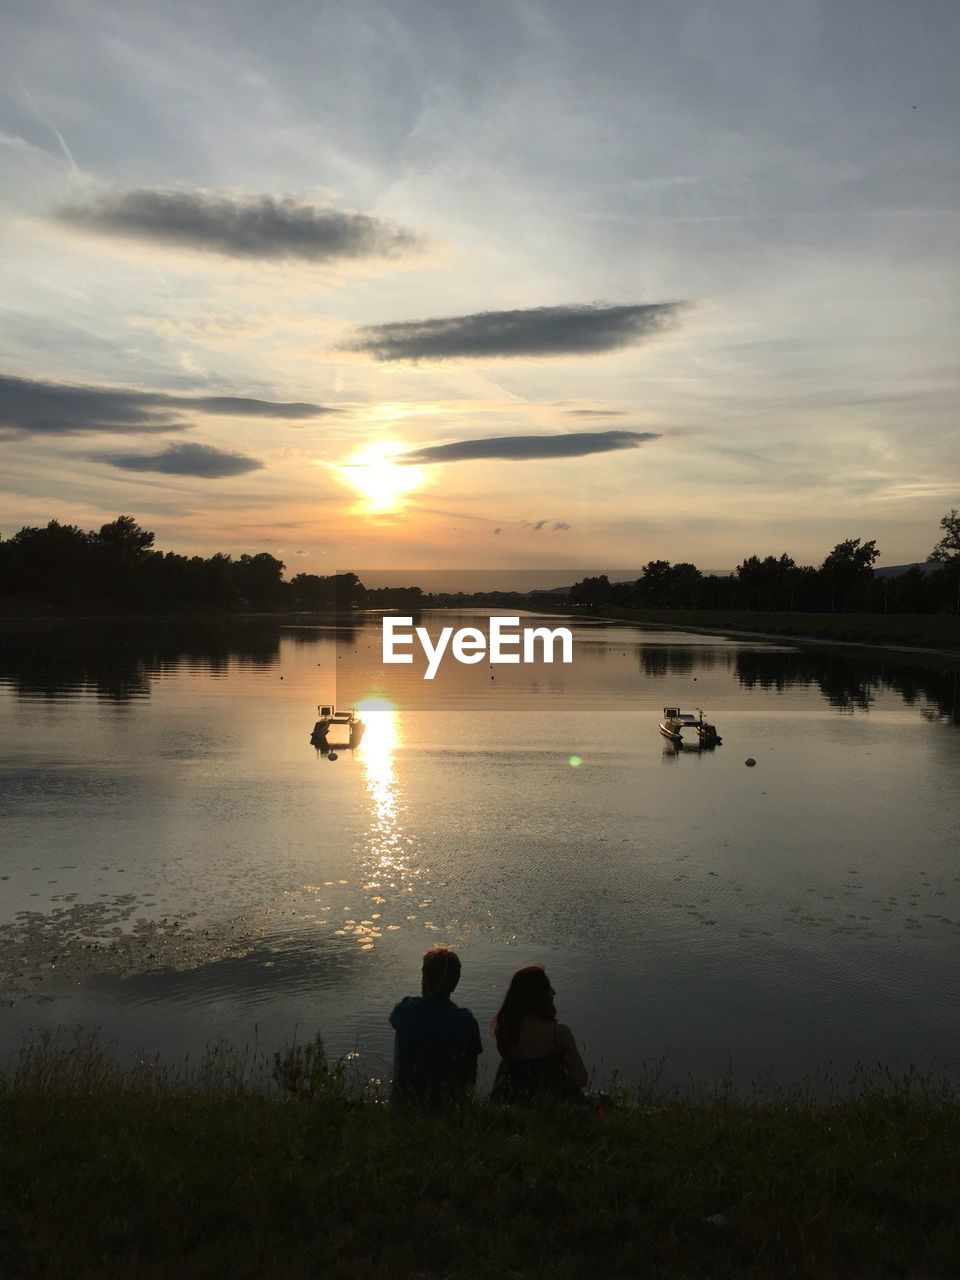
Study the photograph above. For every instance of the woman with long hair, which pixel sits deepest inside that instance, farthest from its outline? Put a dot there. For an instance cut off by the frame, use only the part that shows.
(538, 1054)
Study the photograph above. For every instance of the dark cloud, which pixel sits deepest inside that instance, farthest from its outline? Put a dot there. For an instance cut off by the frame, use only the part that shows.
(244, 407)
(597, 413)
(240, 227)
(186, 460)
(542, 331)
(575, 444)
(52, 408)
(556, 526)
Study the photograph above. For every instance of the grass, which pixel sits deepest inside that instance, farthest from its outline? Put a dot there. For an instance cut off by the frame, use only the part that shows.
(213, 1169)
(912, 630)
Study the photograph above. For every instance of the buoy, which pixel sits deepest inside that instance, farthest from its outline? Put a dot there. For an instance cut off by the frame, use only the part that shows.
(749, 762)
(332, 755)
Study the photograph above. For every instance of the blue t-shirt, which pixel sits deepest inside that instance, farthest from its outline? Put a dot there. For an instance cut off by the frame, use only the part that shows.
(434, 1040)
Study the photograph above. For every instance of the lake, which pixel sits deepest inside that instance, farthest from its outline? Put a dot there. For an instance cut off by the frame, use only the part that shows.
(179, 864)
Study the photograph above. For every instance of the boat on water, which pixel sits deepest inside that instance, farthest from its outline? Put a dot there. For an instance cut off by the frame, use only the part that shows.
(329, 718)
(675, 721)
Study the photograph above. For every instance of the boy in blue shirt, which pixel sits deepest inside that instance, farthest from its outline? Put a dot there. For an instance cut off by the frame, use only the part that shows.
(437, 1043)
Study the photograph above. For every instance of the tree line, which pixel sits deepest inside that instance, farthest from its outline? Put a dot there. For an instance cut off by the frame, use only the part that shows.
(844, 583)
(116, 568)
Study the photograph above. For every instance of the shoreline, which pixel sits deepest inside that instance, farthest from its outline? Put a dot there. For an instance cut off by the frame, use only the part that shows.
(714, 624)
(870, 632)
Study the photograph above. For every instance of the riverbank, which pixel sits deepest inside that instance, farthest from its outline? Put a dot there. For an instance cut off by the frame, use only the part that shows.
(106, 1171)
(928, 632)
(33, 617)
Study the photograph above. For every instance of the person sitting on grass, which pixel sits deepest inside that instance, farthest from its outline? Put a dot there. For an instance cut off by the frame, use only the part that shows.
(436, 1043)
(539, 1056)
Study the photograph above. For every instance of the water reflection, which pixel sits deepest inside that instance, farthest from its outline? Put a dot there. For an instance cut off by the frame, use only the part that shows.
(851, 681)
(246, 881)
(671, 750)
(387, 858)
(658, 660)
(119, 662)
(380, 741)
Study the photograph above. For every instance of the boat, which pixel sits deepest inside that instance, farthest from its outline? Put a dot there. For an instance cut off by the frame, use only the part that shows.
(675, 721)
(330, 718)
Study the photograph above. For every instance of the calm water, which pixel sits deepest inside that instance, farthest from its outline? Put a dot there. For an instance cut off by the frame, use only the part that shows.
(179, 864)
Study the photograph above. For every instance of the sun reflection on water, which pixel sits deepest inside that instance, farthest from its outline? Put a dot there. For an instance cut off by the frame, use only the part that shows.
(381, 739)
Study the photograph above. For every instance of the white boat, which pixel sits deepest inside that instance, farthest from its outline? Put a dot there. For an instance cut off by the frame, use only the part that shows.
(675, 721)
(329, 718)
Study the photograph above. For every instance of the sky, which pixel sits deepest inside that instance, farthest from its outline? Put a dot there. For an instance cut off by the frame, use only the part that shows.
(511, 284)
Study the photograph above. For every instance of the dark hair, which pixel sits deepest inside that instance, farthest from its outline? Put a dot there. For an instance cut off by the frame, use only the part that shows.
(441, 971)
(529, 993)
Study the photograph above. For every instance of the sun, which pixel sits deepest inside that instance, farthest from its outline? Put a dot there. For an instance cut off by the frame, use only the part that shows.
(381, 482)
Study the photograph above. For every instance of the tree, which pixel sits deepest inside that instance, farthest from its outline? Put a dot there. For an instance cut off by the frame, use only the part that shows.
(683, 582)
(765, 582)
(52, 564)
(592, 593)
(126, 535)
(654, 586)
(852, 558)
(848, 565)
(948, 548)
(259, 580)
(947, 552)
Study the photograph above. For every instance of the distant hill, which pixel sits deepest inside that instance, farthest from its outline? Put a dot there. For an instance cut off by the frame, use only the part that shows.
(896, 570)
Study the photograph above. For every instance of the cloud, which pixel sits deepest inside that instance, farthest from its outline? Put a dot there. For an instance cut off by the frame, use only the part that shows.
(542, 331)
(555, 526)
(53, 408)
(597, 413)
(575, 444)
(239, 227)
(185, 460)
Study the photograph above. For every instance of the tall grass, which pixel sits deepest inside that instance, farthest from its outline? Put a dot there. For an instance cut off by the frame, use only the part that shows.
(243, 1165)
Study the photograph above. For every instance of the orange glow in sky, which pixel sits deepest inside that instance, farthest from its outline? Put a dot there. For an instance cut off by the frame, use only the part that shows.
(381, 482)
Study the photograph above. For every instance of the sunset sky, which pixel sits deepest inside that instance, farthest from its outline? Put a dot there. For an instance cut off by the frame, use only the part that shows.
(503, 284)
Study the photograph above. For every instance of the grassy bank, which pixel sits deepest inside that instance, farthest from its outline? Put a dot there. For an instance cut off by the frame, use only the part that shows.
(106, 1172)
(925, 630)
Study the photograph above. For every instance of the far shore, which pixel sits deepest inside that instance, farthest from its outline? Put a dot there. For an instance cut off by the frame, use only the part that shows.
(32, 617)
(928, 633)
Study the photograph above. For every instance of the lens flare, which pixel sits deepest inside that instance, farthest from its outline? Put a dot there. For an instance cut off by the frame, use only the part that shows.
(381, 482)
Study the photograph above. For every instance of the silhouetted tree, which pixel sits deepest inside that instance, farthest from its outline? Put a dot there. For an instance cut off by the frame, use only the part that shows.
(948, 548)
(946, 583)
(654, 584)
(848, 566)
(53, 565)
(259, 581)
(766, 582)
(592, 593)
(126, 535)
